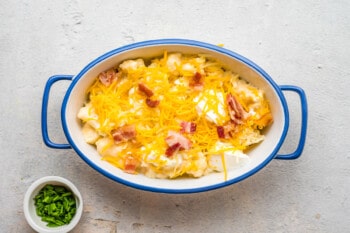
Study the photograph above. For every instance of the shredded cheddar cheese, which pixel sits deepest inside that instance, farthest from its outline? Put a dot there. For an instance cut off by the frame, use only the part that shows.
(166, 94)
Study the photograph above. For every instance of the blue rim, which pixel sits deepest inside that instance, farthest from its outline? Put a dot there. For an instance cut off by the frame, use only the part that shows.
(176, 42)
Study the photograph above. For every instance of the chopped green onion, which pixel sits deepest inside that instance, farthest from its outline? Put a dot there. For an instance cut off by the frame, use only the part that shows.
(55, 205)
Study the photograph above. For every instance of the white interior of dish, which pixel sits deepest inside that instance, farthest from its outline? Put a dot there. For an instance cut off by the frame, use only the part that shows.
(258, 154)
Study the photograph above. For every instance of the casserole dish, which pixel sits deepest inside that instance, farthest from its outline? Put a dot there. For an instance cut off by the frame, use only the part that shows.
(260, 155)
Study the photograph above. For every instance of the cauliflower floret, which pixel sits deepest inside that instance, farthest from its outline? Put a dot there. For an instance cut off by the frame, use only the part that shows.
(233, 158)
(134, 100)
(246, 92)
(132, 65)
(181, 81)
(174, 60)
(189, 68)
(106, 147)
(88, 115)
(164, 161)
(250, 136)
(200, 60)
(102, 144)
(199, 166)
(90, 134)
(161, 166)
(212, 103)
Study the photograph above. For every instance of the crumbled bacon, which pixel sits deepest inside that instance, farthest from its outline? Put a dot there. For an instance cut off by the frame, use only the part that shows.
(197, 77)
(107, 77)
(172, 149)
(221, 131)
(235, 109)
(196, 83)
(130, 164)
(174, 138)
(144, 89)
(124, 133)
(152, 103)
(188, 127)
(226, 131)
(149, 93)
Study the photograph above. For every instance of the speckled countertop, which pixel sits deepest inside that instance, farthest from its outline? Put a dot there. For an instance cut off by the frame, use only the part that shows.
(304, 43)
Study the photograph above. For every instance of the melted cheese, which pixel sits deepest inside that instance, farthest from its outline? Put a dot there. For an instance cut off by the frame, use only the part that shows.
(169, 78)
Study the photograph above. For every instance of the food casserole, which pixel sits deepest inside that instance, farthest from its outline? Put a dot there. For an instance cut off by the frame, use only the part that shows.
(259, 155)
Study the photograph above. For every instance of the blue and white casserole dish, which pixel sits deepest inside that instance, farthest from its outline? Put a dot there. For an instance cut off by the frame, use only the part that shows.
(260, 155)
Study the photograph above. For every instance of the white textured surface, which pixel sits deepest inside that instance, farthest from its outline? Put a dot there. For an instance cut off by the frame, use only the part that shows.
(300, 42)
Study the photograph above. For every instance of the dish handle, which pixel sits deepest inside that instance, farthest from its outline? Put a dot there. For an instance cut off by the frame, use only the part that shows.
(44, 129)
(304, 115)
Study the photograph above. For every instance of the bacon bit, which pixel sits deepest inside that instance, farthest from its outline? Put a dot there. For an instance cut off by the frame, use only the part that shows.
(235, 109)
(130, 164)
(107, 77)
(197, 83)
(144, 89)
(152, 103)
(197, 77)
(124, 133)
(188, 127)
(148, 92)
(226, 131)
(174, 138)
(172, 149)
(221, 131)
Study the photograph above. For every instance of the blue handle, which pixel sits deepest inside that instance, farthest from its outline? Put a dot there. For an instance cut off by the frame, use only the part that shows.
(303, 130)
(44, 130)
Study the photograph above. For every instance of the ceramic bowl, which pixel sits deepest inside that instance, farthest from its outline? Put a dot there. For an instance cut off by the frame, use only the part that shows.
(30, 210)
(260, 155)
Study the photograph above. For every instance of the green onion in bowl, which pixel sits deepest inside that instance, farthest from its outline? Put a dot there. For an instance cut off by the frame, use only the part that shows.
(55, 205)
(52, 204)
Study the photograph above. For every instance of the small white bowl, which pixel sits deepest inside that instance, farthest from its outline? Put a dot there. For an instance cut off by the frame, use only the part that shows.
(29, 208)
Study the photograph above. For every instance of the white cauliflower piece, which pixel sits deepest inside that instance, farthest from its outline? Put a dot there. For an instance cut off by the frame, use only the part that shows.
(246, 92)
(233, 158)
(134, 100)
(164, 161)
(90, 134)
(174, 60)
(250, 136)
(213, 105)
(199, 166)
(166, 167)
(132, 65)
(106, 147)
(181, 81)
(88, 115)
(189, 68)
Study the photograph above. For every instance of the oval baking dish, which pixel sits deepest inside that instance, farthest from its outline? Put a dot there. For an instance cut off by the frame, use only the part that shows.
(260, 155)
